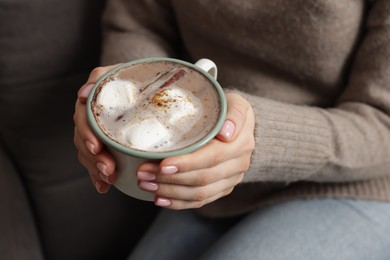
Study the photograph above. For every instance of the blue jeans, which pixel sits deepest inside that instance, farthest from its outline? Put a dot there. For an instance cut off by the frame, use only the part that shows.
(318, 229)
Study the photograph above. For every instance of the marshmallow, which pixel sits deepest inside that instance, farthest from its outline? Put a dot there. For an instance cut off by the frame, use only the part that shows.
(146, 134)
(118, 93)
(177, 103)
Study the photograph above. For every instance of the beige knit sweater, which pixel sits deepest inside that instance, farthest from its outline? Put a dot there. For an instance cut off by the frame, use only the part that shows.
(317, 73)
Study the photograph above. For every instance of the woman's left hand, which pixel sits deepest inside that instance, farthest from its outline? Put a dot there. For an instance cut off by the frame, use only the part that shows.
(203, 176)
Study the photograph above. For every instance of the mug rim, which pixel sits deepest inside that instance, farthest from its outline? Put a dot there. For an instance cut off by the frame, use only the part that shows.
(156, 154)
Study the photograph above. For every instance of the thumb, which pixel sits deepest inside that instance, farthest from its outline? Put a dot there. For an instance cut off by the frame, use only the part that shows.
(235, 119)
(94, 76)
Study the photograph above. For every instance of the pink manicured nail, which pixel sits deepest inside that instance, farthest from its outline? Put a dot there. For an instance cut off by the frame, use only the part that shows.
(146, 176)
(149, 186)
(163, 202)
(227, 129)
(169, 169)
(90, 146)
(85, 90)
(104, 177)
(102, 168)
(98, 187)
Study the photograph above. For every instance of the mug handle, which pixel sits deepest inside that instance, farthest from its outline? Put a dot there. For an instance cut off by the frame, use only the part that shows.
(208, 66)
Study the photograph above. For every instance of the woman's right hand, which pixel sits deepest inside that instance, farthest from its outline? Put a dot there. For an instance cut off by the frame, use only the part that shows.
(91, 152)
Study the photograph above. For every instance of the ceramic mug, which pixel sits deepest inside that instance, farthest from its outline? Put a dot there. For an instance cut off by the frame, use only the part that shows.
(127, 159)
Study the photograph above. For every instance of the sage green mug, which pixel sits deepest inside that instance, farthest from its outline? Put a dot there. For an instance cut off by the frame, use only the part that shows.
(127, 159)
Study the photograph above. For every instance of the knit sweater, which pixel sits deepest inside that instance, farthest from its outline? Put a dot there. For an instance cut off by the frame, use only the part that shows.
(317, 73)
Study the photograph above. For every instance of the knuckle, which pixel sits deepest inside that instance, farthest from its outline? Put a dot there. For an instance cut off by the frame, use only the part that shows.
(199, 204)
(98, 71)
(240, 108)
(75, 141)
(228, 191)
(249, 144)
(200, 195)
(240, 177)
(245, 164)
(203, 179)
(80, 135)
(75, 118)
(166, 179)
(247, 151)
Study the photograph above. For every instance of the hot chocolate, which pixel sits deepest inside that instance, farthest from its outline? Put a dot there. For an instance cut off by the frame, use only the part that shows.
(157, 106)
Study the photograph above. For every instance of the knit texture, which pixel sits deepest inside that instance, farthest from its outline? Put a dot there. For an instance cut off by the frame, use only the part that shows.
(316, 73)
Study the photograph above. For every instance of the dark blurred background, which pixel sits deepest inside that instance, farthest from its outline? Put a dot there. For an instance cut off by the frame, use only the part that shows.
(48, 207)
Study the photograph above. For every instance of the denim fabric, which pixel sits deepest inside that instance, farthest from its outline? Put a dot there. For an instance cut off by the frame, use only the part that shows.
(319, 229)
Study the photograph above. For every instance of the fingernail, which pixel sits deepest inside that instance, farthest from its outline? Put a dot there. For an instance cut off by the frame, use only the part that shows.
(149, 186)
(104, 177)
(163, 202)
(85, 90)
(102, 168)
(98, 187)
(227, 129)
(146, 176)
(169, 169)
(90, 146)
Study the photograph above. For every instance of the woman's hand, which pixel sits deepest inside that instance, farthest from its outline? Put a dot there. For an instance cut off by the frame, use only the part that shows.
(187, 181)
(203, 176)
(91, 153)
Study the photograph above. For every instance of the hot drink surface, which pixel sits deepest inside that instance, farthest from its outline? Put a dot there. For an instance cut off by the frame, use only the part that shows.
(156, 106)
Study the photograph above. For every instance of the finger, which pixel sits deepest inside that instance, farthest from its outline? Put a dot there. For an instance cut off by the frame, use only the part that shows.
(94, 76)
(101, 165)
(88, 138)
(190, 193)
(148, 171)
(99, 169)
(100, 186)
(216, 151)
(83, 92)
(182, 204)
(208, 156)
(87, 163)
(206, 176)
(235, 118)
(98, 72)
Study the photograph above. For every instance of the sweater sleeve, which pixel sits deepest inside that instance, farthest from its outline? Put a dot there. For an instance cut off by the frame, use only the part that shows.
(348, 142)
(138, 29)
